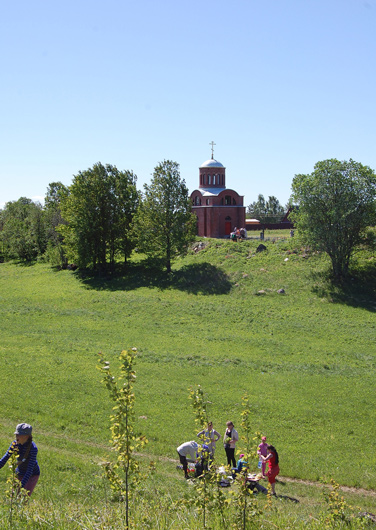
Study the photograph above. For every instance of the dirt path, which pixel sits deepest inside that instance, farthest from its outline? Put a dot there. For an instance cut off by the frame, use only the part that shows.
(345, 489)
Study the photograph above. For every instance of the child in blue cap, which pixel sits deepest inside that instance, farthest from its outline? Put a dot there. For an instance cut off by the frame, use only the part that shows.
(28, 469)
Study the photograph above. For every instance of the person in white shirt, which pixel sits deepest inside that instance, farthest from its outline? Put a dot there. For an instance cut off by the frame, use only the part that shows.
(187, 449)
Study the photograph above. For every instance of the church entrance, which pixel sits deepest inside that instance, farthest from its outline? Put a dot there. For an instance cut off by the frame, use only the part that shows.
(227, 226)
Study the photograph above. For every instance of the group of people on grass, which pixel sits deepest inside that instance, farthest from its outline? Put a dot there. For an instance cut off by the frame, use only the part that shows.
(267, 453)
(238, 233)
(27, 471)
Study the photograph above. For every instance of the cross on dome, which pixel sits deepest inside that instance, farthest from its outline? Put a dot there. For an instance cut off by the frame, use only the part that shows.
(212, 148)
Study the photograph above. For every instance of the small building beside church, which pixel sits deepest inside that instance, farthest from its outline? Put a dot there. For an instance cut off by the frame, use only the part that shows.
(218, 209)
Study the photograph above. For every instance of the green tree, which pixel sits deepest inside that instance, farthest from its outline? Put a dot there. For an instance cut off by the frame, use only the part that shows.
(98, 211)
(56, 193)
(164, 224)
(124, 474)
(23, 230)
(270, 211)
(336, 203)
(257, 208)
(1, 234)
(247, 511)
(206, 496)
(273, 207)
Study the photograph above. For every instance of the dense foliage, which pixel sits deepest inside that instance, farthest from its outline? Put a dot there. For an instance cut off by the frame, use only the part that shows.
(23, 230)
(98, 211)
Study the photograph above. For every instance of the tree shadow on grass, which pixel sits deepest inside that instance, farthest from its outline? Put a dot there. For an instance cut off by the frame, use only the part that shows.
(24, 263)
(358, 290)
(202, 278)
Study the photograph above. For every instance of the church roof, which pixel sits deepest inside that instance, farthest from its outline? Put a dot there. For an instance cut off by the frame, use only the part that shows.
(211, 163)
(208, 192)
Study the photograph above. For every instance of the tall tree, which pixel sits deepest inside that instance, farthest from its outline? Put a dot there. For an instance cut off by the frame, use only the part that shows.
(273, 207)
(164, 224)
(257, 208)
(336, 203)
(98, 211)
(56, 193)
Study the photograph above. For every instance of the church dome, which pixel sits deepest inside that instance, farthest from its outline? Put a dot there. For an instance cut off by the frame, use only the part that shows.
(211, 163)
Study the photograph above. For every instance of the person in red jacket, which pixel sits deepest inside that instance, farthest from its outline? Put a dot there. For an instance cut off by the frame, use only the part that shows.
(273, 460)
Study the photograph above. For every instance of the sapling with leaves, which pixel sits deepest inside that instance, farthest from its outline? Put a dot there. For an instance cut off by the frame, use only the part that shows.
(244, 502)
(341, 514)
(123, 475)
(248, 437)
(11, 491)
(205, 486)
(16, 495)
(199, 405)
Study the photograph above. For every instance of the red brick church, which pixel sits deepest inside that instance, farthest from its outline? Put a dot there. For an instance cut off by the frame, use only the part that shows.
(218, 209)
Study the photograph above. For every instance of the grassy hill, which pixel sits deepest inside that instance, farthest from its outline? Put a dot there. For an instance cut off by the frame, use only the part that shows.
(306, 357)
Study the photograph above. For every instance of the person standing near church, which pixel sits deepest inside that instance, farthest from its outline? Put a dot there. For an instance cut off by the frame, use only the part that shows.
(27, 471)
(229, 440)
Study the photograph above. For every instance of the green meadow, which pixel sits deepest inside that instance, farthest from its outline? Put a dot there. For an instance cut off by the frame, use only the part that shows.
(306, 358)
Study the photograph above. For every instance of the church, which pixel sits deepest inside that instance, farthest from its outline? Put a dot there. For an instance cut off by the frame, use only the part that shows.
(218, 209)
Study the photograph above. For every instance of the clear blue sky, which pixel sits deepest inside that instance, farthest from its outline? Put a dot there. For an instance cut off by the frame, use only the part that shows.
(277, 84)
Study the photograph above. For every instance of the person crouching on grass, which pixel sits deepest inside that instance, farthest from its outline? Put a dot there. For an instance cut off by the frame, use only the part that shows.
(187, 449)
(27, 470)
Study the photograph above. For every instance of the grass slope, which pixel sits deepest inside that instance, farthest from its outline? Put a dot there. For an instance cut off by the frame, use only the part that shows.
(306, 358)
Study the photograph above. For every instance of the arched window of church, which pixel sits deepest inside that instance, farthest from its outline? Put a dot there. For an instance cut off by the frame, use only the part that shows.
(228, 200)
(207, 201)
(197, 200)
(209, 180)
(233, 201)
(213, 179)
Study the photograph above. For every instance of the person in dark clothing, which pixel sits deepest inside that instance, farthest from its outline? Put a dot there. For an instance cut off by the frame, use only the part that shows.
(229, 440)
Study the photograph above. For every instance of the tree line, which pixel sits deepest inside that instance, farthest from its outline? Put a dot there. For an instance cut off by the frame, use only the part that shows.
(267, 211)
(100, 219)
